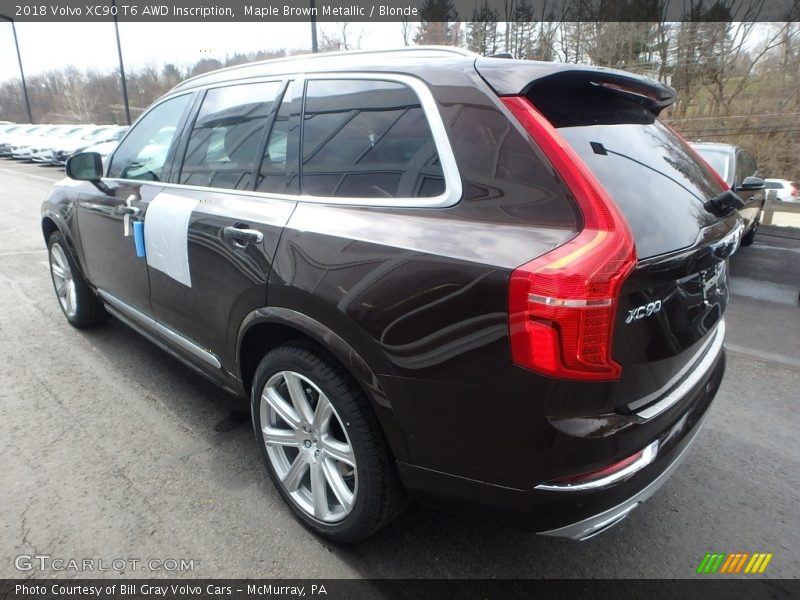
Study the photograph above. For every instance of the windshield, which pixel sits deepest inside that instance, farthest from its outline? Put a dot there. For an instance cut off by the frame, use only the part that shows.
(718, 159)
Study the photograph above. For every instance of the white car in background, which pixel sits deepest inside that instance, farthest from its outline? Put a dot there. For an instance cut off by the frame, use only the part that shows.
(8, 132)
(19, 137)
(786, 190)
(104, 149)
(43, 152)
(22, 150)
(101, 133)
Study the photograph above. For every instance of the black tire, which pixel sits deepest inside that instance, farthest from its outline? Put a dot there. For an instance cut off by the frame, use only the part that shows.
(749, 237)
(379, 496)
(84, 308)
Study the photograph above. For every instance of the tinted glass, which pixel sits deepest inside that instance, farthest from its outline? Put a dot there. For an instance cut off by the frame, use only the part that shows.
(494, 159)
(142, 154)
(718, 159)
(223, 147)
(272, 176)
(654, 179)
(745, 166)
(367, 139)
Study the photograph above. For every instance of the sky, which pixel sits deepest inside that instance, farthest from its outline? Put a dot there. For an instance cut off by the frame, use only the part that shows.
(46, 46)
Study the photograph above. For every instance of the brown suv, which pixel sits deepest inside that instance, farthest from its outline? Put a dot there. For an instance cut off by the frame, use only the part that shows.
(481, 281)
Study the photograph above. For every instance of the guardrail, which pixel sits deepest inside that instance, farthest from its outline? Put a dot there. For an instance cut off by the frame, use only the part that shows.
(773, 205)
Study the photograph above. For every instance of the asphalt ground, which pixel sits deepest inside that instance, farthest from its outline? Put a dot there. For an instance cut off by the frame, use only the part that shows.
(112, 449)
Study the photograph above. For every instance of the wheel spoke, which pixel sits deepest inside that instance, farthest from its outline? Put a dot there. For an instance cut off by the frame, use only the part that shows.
(280, 437)
(284, 410)
(299, 399)
(58, 271)
(72, 299)
(322, 413)
(291, 480)
(340, 489)
(339, 451)
(319, 491)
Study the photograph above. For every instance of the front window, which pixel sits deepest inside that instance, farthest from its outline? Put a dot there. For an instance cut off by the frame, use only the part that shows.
(143, 153)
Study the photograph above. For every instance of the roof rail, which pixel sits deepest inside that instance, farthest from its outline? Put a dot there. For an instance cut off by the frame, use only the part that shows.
(445, 50)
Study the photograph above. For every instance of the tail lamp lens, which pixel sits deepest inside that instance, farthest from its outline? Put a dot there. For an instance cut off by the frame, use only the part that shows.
(562, 305)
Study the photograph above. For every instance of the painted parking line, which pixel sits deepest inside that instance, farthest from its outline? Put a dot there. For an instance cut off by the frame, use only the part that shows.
(31, 175)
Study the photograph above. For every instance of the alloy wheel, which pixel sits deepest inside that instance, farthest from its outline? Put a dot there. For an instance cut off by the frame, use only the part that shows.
(308, 447)
(63, 280)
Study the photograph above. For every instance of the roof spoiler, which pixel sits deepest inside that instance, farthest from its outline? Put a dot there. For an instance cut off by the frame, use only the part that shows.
(523, 77)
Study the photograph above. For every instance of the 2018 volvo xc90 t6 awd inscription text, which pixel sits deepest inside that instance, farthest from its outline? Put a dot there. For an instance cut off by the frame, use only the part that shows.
(487, 283)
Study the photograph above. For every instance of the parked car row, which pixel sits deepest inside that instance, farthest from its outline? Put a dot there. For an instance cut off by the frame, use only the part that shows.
(53, 144)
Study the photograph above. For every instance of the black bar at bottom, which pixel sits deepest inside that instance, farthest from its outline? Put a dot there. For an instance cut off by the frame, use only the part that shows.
(709, 588)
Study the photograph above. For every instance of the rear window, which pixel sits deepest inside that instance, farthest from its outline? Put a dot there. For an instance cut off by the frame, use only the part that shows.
(654, 179)
(649, 170)
(367, 139)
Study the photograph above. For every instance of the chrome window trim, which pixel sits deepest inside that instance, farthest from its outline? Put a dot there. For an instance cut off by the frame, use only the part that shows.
(452, 176)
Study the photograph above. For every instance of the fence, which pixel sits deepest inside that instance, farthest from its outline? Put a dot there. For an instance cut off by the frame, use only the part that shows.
(772, 205)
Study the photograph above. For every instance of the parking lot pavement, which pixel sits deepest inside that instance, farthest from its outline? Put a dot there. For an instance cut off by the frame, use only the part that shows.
(113, 449)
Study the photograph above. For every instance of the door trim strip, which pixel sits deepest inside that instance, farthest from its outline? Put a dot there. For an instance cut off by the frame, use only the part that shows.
(176, 338)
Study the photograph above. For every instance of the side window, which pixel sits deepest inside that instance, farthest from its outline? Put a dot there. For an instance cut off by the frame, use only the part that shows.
(745, 166)
(143, 153)
(272, 176)
(367, 139)
(225, 139)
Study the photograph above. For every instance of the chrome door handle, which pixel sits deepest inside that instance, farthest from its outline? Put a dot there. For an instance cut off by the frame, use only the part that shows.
(242, 237)
(124, 209)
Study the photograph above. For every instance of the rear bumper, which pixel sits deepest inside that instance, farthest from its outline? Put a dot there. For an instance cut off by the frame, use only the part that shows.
(532, 456)
(591, 526)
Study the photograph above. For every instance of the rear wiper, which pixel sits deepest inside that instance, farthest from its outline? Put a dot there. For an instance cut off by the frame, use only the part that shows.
(720, 205)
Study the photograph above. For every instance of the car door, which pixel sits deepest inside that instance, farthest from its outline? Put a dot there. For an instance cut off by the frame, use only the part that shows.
(233, 215)
(132, 181)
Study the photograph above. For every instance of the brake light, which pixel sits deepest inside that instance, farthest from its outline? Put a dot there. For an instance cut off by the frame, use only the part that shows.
(562, 304)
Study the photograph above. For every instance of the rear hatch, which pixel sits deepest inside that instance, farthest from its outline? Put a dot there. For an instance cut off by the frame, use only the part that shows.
(668, 325)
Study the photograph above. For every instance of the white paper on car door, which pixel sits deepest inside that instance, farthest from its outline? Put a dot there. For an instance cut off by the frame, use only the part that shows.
(166, 235)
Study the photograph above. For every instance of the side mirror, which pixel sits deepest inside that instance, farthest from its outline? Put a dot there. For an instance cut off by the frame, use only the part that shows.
(88, 166)
(751, 184)
(724, 203)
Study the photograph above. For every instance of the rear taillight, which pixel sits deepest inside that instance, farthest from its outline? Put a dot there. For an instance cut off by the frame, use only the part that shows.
(794, 192)
(562, 304)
